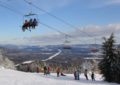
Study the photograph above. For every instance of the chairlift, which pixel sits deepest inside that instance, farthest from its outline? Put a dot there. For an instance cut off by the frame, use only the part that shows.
(30, 21)
(66, 43)
(30, 14)
(94, 50)
(67, 47)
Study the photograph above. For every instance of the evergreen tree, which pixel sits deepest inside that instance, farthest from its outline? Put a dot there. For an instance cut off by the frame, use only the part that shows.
(110, 65)
(117, 66)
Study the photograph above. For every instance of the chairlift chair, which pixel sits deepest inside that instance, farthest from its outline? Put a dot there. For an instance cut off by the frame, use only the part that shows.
(32, 21)
(66, 45)
(94, 50)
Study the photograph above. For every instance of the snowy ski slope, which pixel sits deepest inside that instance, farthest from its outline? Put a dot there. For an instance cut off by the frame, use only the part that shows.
(11, 77)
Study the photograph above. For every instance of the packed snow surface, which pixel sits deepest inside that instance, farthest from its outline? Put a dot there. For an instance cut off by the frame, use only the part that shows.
(11, 77)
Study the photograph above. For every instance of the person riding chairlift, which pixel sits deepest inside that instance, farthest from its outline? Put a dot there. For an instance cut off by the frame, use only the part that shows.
(25, 25)
(35, 23)
(30, 23)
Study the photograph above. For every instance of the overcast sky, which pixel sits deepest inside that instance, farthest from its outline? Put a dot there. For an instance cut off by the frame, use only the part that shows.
(92, 19)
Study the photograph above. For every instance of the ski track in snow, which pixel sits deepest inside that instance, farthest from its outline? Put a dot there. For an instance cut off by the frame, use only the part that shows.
(51, 57)
(12, 77)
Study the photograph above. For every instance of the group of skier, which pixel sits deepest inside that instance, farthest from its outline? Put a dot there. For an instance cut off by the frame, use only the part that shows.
(46, 70)
(58, 71)
(77, 75)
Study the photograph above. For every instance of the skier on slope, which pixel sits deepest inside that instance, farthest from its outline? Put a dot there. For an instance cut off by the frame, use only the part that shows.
(48, 70)
(45, 70)
(93, 76)
(58, 71)
(37, 69)
(85, 74)
(77, 74)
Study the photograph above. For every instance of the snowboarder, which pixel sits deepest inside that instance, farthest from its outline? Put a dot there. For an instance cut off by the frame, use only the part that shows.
(45, 70)
(85, 73)
(58, 72)
(93, 76)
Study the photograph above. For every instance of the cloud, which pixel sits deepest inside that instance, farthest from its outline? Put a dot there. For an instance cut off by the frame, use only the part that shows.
(77, 36)
(84, 35)
(50, 39)
(95, 30)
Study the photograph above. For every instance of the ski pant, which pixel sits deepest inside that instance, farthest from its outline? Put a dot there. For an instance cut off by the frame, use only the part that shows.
(77, 78)
(58, 74)
(86, 77)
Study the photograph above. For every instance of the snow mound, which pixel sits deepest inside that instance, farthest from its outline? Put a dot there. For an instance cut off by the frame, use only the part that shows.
(11, 77)
(1, 67)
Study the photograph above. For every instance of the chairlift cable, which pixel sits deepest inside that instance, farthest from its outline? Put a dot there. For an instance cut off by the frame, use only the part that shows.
(17, 12)
(59, 19)
(21, 14)
(54, 29)
(30, 3)
(8, 8)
